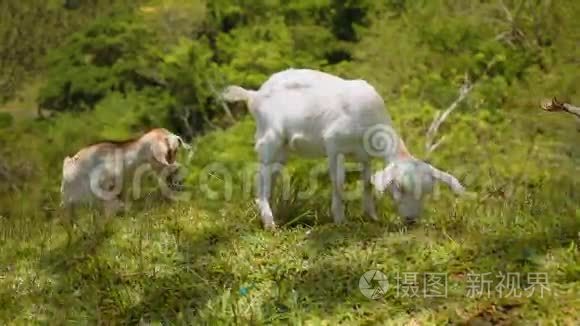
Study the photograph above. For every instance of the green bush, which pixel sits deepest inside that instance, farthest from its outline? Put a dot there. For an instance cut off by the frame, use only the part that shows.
(251, 54)
(6, 119)
(29, 29)
(108, 56)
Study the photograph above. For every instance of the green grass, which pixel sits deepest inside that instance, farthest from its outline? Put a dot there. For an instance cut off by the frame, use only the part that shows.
(23, 106)
(207, 261)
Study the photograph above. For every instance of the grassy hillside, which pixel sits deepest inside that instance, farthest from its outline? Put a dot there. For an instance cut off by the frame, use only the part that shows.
(206, 259)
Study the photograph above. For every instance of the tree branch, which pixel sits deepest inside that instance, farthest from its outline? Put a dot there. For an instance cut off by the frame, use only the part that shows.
(556, 106)
(430, 143)
(508, 14)
(221, 101)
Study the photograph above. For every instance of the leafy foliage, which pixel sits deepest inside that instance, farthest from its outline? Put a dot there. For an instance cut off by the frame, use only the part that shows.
(5, 120)
(107, 57)
(30, 29)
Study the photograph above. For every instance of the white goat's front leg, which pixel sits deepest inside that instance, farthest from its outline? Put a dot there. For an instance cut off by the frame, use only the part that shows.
(368, 200)
(336, 170)
(112, 207)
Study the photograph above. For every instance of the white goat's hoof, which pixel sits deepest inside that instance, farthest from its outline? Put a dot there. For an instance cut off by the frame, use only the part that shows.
(372, 214)
(270, 226)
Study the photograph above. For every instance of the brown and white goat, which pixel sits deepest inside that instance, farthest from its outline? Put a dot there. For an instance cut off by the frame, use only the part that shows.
(97, 173)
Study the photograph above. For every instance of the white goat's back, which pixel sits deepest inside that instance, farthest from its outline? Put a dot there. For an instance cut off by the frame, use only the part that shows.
(296, 79)
(309, 107)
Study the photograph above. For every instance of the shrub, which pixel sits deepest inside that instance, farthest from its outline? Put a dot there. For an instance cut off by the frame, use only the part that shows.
(6, 119)
(106, 57)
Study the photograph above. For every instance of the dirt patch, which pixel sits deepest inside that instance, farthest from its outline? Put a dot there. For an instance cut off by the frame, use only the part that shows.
(504, 314)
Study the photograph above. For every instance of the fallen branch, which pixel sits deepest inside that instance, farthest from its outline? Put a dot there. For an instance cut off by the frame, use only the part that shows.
(557, 106)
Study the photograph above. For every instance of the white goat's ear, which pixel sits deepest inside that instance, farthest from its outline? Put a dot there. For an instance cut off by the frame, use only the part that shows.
(447, 178)
(382, 179)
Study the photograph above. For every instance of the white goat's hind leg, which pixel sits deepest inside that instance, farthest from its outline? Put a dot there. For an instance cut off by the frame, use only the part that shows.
(336, 170)
(264, 194)
(268, 149)
(368, 200)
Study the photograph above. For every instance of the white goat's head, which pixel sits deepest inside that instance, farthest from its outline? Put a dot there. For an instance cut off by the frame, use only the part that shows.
(409, 181)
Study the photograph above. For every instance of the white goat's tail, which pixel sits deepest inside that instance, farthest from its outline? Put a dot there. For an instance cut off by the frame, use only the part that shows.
(237, 94)
(183, 143)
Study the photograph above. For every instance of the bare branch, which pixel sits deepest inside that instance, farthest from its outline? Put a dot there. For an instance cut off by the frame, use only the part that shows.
(508, 14)
(518, 10)
(4, 174)
(513, 34)
(430, 144)
(556, 106)
(184, 115)
(466, 88)
(221, 101)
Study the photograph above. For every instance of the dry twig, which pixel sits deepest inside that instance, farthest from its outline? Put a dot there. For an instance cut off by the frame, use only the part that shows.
(557, 106)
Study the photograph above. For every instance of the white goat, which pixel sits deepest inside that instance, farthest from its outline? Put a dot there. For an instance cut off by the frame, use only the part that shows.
(317, 114)
(97, 173)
